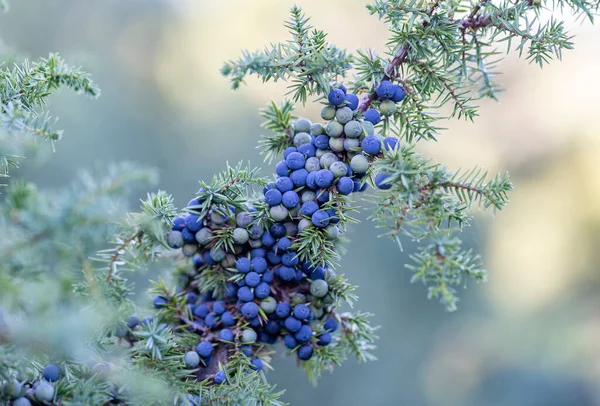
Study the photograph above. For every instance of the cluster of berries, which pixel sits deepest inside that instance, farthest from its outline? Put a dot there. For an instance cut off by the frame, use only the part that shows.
(271, 294)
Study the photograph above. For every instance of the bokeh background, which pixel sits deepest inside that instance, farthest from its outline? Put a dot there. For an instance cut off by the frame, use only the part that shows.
(530, 336)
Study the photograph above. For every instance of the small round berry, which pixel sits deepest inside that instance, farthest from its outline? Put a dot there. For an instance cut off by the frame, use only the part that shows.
(325, 339)
(44, 392)
(399, 94)
(191, 359)
(273, 197)
(201, 310)
(204, 236)
(283, 310)
(344, 115)
(257, 364)
(277, 230)
(333, 232)
(319, 288)
(371, 145)
(324, 178)
(353, 129)
(303, 224)
(211, 320)
(278, 213)
(302, 125)
(301, 312)
(304, 334)
(281, 169)
(372, 116)
(328, 112)
(259, 265)
(338, 169)
(336, 144)
(250, 310)
(262, 290)
(331, 324)
(226, 334)
(290, 199)
(21, 402)
(240, 235)
(204, 349)
(334, 129)
(227, 319)
(336, 97)
(340, 86)
(217, 254)
(305, 352)
(316, 129)
(391, 143)
(252, 279)
(320, 218)
(284, 184)
(175, 239)
(245, 294)
(13, 388)
(249, 336)
(292, 324)
(286, 273)
(387, 107)
(327, 160)
(243, 219)
(359, 164)
(352, 100)
(178, 224)
(321, 141)
(344, 185)
(158, 302)
(290, 259)
(307, 150)
(290, 342)
(351, 144)
(385, 90)
(317, 273)
(189, 250)
(243, 265)
(193, 223)
(219, 307)
(380, 181)
(268, 304)
(295, 160)
(246, 350)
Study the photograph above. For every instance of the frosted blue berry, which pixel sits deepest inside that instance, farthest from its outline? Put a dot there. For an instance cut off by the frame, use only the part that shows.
(175, 239)
(204, 349)
(283, 310)
(273, 197)
(230, 290)
(243, 219)
(290, 199)
(273, 258)
(385, 90)
(178, 224)
(194, 204)
(372, 116)
(304, 334)
(243, 265)
(290, 259)
(344, 185)
(322, 196)
(277, 230)
(210, 320)
(252, 279)
(257, 364)
(322, 141)
(226, 334)
(227, 319)
(281, 169)
(325, 339)
(320, 218)
(158, 302)
(245, 294)
(331, 324)
(371, 145)
(286, 273)
(311, 180)
(390, 143)
(259, 265)
(399, 94)
(284, 184)
(295, 160)
(308, 150)
(324, 178)
(352, 100)
(336, 97)
(292, 324)
(287, 152)
(133, 322)
(380, 181)
(290, 342)
(305, 352)
(303, 224)
(219, 377)
(301, 311)
(317, 273)
(193, 223)
(219, 307)
(262, 291)
(191, 359)
(188, 236)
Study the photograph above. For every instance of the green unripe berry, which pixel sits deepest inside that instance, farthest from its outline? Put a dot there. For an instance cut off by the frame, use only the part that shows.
(316, 129)
(328, 112)
(217, 218)
(229, 261)
(255, 243)
(368, 127)
(332, 232)
(336, 144)
(278, 213)
(298, 298)
(312, 164)
(359, 164)
(268, 304)
(308, 196)
(353, 129)
(317, 311)
(302, 138)
(204, 236)
(191, 359)
(319, 288)
(351, 143)
(44, 392)
(302, 125)
(327, 159)
(303, 224)
(217, 254)
(344, 115)
(248, 336)
(387, 107)
(13, 388)
(338, 169)
(328, 298)
(334, 129)
(189, 249)
(320, 153)
(329, 273)
(240, 235)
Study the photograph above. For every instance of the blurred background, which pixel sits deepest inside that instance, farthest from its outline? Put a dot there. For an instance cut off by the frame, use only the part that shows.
(530, 336)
